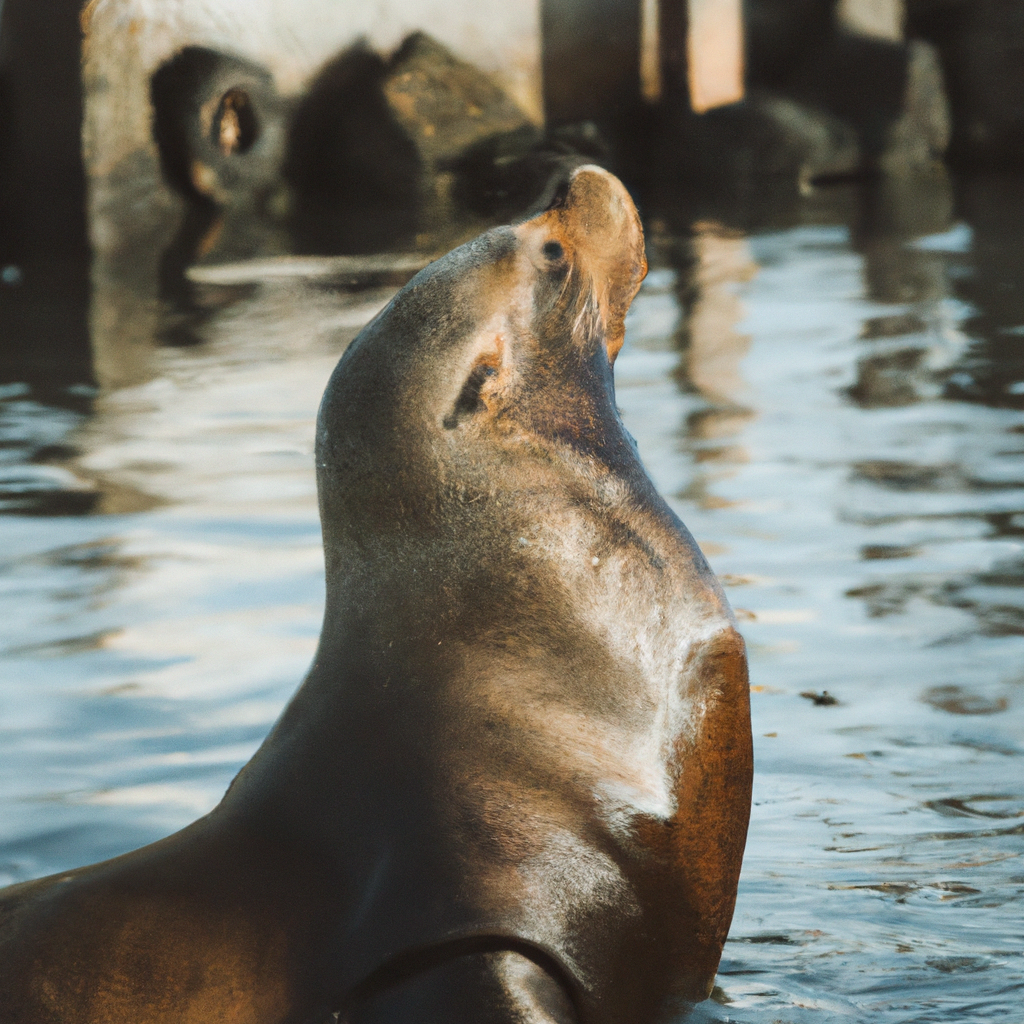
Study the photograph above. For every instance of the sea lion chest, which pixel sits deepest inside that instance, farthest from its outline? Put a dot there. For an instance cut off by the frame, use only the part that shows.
(490, 787)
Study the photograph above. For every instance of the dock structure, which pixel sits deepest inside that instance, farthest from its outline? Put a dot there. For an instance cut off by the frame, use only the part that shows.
(714, 53)
(84, 180)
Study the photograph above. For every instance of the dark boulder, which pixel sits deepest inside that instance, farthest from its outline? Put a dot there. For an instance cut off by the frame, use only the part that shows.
(378, 147)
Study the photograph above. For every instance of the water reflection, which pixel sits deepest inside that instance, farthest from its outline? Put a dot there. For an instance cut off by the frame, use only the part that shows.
(147, 646)
(793, 390)
(869, 522)
(991, 279)
(34, 450)
(713, 351)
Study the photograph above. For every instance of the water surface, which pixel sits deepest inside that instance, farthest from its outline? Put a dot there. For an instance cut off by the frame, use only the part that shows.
(835, 407)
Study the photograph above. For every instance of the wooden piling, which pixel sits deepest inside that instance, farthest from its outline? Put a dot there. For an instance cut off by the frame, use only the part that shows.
(714, 53)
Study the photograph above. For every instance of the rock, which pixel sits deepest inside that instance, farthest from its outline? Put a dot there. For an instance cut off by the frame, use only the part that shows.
(447, 108)
(377, 146)
(505, 176)
(806, 139)
(766, 137)
(354, 173)
(444, 104)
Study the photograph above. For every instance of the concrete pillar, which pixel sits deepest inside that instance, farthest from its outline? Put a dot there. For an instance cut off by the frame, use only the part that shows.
(702, 52)
(714, 53)
(591, 58)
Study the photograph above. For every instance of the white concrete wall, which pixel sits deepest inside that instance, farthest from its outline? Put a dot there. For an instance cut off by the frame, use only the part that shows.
(126, 40)
(294, 36)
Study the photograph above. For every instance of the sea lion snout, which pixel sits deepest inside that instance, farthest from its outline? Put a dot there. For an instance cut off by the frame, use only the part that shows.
(594, 225)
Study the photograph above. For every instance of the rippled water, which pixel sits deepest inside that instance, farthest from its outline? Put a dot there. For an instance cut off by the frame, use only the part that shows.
(835, 408)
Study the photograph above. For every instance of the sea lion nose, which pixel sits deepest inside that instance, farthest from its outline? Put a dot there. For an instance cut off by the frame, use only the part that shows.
(600, 204)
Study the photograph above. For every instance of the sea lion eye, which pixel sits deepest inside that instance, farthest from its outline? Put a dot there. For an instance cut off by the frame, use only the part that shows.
(553, 250)
(469, 400)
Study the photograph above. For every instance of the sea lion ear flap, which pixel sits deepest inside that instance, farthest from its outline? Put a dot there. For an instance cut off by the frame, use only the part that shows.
(599, 217)
(472, 398)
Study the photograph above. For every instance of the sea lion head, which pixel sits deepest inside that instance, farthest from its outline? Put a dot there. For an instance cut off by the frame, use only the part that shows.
(510, 335)
(481, 401)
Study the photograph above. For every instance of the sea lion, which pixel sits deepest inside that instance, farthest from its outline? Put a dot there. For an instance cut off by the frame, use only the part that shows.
(514, 786)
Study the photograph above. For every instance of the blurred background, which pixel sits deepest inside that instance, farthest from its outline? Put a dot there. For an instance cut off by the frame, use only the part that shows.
(201, 203)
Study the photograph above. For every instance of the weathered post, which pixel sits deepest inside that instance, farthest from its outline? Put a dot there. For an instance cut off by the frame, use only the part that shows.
(700, 52)
(44, 249)
(714, 52)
